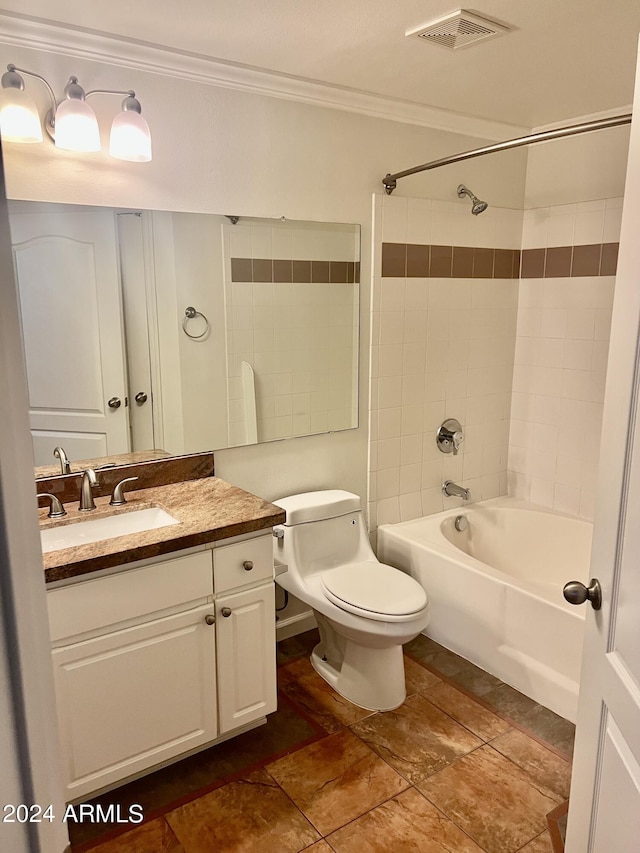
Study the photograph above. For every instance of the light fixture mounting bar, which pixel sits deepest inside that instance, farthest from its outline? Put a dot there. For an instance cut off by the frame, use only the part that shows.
(129, 92)
(14, 68)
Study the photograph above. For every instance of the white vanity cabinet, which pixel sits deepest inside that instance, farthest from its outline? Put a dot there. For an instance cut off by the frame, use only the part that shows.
(157, 661)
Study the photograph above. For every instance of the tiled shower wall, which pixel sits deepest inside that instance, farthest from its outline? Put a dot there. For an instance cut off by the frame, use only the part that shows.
(564, 316)
(443, 338)
(518, 354)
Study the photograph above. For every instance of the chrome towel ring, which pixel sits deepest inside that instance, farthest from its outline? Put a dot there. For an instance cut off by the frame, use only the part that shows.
(189, 314)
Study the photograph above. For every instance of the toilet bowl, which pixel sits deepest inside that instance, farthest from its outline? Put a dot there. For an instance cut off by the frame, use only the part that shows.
(365, 610)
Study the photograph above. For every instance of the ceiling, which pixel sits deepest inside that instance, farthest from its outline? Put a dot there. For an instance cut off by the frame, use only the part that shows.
(562, 59)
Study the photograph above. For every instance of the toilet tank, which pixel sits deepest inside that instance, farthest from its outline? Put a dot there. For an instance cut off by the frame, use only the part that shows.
(323, 530)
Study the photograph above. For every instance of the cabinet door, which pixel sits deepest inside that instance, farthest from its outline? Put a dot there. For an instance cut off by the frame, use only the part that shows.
(134, 698)
(246, 631)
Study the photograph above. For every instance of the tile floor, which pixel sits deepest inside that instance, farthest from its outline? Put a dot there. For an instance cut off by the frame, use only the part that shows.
(466, 765)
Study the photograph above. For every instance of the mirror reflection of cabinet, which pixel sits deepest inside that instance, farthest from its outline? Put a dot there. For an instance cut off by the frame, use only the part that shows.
(279, 353)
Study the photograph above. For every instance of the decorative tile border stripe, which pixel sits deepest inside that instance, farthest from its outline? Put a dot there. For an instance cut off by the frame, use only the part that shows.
(412, 260)
(570, 261)
(301, 272)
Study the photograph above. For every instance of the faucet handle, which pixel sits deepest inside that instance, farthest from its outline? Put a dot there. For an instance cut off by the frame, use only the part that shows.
(449, 436)
(56, 510)
(117, 497)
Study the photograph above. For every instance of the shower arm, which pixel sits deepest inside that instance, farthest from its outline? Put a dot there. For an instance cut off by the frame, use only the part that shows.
(390, 181)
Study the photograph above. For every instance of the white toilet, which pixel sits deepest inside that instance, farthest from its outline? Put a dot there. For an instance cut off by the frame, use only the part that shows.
(365, 610)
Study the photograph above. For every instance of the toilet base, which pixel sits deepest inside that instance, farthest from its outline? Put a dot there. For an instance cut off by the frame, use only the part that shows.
(370, 678)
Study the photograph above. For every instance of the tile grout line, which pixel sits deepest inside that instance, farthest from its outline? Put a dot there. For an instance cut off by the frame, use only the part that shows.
(496, 711)
(451, 764)
(298, 809)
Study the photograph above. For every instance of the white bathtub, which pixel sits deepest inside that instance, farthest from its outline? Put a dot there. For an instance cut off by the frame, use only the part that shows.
(496, 591)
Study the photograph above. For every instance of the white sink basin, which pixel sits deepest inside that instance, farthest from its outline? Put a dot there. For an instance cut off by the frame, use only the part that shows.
(97, 529)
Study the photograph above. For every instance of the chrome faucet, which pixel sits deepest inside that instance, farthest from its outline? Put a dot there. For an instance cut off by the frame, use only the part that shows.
(453, 490)
(65, 466)
(89, 482)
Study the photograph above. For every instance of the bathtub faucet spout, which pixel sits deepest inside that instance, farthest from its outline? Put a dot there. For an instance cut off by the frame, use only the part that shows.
(453, 490)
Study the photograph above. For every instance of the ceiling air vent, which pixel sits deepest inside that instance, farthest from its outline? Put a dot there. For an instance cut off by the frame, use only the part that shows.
(459, 29)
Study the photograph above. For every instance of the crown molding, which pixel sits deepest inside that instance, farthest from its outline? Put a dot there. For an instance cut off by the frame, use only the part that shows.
(567, 122)
(37, 34)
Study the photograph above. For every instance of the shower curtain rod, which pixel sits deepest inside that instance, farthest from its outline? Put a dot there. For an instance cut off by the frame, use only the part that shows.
(390, 181)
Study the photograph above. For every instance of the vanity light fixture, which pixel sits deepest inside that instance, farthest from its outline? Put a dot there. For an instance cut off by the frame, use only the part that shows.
(71, 124)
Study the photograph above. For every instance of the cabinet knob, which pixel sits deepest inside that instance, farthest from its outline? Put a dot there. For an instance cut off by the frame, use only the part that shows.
(226, 612)
(247, 565)
(210, 619)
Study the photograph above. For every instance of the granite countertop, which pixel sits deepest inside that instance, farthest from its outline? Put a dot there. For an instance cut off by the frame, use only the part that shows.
(79, 465)
(208, 509)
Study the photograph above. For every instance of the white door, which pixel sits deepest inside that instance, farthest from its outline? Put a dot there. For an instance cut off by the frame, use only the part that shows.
(604, 810)
(69, 286)
(246, 635)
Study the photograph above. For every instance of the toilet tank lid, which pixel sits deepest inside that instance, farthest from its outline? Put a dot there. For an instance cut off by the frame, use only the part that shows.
(316, 506)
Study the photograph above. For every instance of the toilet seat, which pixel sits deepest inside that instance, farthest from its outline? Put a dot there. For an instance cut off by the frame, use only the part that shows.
(374, 590)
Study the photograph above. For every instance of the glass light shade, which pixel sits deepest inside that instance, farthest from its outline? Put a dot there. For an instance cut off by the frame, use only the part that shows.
(130, 137)
(19, 119)
(76, 126)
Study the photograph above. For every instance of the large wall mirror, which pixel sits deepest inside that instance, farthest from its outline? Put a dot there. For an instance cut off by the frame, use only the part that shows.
(183, 332)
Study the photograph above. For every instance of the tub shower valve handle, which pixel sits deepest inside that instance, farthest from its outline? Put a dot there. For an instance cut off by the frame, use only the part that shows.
(449, 436)
(577, 593)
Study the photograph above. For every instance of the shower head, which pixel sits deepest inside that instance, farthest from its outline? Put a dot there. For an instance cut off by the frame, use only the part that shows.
(477, 206)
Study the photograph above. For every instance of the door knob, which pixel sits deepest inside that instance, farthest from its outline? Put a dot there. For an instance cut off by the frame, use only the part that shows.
(247, 565)
(226, 612)
(210, 619)
(114, 403)
(140, 397)
(577, 593)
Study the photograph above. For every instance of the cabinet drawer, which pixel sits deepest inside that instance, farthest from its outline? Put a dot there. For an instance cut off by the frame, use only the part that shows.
(243, 563)
(95, 604)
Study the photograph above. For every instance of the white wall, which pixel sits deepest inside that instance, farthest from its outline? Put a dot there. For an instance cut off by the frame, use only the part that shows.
(578, 168)
(222, 151)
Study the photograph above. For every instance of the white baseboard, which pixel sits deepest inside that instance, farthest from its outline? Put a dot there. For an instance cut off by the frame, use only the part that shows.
(293, 625)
